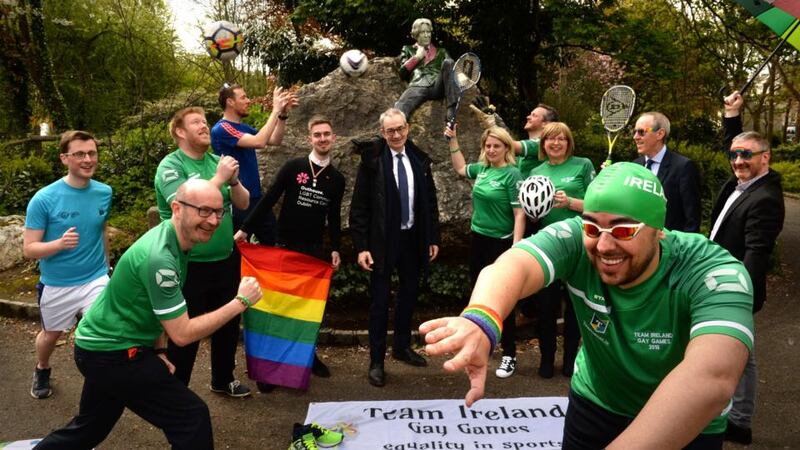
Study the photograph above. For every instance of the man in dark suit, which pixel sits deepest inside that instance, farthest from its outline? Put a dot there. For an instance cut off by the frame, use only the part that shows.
(678, 174)
(394, 221)
(746, 220)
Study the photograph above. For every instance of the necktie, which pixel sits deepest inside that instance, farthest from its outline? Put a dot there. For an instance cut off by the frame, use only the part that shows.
(402, 186)
(649, 164)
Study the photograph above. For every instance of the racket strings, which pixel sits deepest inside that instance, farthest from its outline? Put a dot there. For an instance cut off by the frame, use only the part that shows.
(616, 107)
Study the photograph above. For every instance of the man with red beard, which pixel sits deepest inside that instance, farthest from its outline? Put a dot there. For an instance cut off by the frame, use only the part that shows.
(213, 272)
(746, 220)
(312, 191)
(665, 318)
(65, 229)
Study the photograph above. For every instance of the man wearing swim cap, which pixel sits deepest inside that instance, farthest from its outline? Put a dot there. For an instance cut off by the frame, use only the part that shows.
(665, 316)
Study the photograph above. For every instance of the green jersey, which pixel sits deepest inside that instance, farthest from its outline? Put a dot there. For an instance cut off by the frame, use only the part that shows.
(494, 197)
(144, 290)
(172, 171)
(573, 177)
(633, 338)
(529, 158)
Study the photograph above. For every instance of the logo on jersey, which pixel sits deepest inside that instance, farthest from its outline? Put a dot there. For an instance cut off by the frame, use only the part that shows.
(559, 230)
(727, 280)
(599, 325)
(302, 178)
(169, 175)
(167, 278)
(495, 184)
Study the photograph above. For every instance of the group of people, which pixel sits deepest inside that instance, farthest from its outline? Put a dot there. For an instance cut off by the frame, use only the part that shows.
(665, 315)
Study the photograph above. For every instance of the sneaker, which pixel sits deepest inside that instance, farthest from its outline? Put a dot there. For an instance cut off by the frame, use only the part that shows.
(40, 388)
(507, 367)
(233, 389)
(326, 437)
(304, 442)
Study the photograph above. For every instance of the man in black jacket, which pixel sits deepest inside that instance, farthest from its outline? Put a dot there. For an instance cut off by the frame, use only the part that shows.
(394, 221)
(677, 173)
(746, 220)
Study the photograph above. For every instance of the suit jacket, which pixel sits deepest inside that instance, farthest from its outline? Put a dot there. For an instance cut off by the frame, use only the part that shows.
(681, 182)
(375, 208)
(752, 223)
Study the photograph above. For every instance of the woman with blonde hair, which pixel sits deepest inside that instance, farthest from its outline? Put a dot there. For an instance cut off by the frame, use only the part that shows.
(498, 220)
(571, 176)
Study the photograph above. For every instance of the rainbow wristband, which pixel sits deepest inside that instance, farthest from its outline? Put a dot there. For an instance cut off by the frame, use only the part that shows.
(487, 320)
(244, 300)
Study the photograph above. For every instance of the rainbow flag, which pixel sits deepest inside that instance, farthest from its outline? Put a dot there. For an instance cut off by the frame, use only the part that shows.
(280, 331)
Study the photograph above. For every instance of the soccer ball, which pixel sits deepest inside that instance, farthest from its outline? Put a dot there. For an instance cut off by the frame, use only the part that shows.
(536, 196)
(353, 63)
(223, 40)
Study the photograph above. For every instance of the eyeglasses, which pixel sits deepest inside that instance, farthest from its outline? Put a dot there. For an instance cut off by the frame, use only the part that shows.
(92, 154)
(743, 153)
(393, 131)
(642, 131)
(624, 232)
(205, 211)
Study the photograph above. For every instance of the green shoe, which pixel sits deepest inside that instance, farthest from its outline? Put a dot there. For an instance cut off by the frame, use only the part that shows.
(304, 442)
(326, 437)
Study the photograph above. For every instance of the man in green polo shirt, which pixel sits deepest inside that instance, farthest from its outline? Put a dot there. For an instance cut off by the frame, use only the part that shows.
(666, 319)
(213, 271)
(120, 345)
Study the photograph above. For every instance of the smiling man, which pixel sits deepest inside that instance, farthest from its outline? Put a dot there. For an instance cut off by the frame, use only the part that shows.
(746, 220)
(65, 229)
(120, 345)
(677, 173)
(665, 318)
(312, 191)
(213, 272)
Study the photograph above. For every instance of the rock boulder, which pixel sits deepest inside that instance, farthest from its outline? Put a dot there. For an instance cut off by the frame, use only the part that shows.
(354, 105)
(11, 228)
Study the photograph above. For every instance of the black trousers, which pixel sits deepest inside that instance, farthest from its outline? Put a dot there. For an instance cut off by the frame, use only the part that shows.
(114, 381)
(548, 309)
(590, 427)
(264, 229)
(210, 285)
(483, 251)
(408, 271)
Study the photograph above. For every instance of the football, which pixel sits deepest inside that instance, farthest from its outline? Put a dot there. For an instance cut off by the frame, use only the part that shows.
(223, 40)
(353, 63)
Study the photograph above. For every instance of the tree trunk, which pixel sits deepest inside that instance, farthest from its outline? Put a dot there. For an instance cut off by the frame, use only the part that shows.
(42, 67)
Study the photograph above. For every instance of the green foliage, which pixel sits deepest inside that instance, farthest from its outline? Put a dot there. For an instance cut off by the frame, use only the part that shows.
(349, 283)
(790, 174)
(22, 175)
(785, 152)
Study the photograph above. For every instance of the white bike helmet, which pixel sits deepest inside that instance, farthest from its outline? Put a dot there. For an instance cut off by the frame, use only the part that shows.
(536, 196)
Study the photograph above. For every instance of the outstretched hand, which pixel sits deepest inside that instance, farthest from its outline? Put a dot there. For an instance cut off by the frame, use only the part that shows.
(470, 345)
(733, 104)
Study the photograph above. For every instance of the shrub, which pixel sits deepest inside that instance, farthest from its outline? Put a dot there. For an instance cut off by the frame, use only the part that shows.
(22, 175)
(790, 174)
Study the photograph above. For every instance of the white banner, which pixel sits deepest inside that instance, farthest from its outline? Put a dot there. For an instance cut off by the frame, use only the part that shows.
(513, 423)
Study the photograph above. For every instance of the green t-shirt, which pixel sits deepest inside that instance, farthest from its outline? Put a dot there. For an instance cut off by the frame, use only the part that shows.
(529, 158)
(145, 289)
(172, 171)
(633, 339)
(573, 177)
(494, 196)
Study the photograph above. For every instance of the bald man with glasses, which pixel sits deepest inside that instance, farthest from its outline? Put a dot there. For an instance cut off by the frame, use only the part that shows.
(677, 173)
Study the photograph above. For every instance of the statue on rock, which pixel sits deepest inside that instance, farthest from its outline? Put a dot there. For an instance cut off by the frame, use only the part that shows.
(428, 69)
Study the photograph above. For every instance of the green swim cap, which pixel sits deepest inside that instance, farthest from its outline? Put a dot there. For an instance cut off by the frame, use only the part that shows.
(630, 190)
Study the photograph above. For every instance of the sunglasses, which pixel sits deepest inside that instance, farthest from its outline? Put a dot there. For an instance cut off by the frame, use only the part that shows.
(642, 131)
(743, 153)
(624, 232)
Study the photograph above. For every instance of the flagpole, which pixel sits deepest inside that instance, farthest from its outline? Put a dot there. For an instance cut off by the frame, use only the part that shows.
(780, 45)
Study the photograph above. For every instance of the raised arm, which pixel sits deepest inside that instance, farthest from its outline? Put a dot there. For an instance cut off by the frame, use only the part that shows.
(732, 119)
(456, 157)
(272, 131)
(695, 392)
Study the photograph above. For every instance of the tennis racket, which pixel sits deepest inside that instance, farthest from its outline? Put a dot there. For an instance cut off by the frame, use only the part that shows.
(466, 73)
(616, 108)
